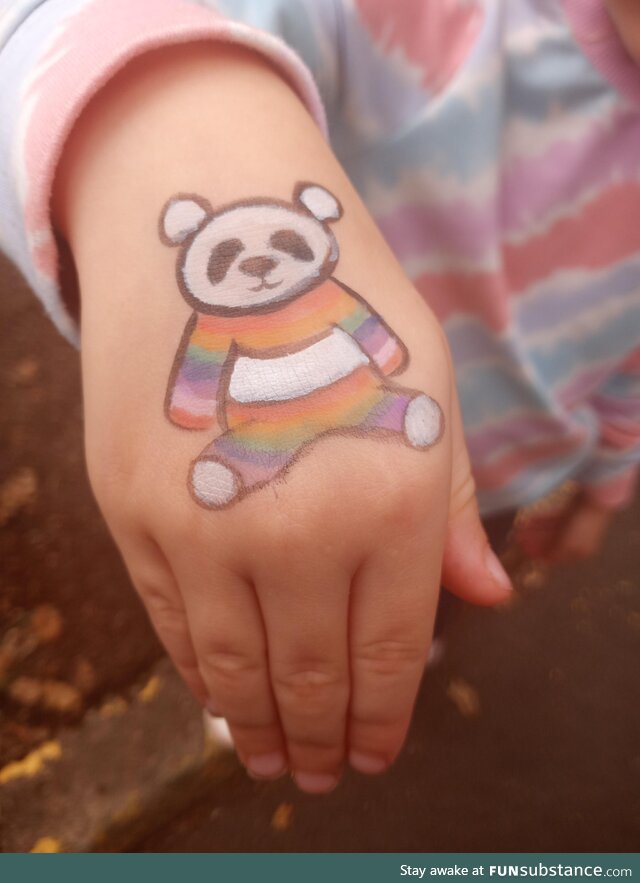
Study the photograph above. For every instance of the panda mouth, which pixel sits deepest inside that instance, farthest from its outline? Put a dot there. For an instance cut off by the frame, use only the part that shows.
(264, 284)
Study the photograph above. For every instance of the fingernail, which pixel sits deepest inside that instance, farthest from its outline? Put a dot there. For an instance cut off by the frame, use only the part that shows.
(267, 766)
(370, 764)
(316, 783)
(497, 571)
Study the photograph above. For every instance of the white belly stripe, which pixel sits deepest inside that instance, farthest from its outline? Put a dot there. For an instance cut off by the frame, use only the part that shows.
(287, 377)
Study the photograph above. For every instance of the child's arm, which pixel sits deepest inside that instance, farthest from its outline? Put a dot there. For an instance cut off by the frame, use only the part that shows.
(303, 612)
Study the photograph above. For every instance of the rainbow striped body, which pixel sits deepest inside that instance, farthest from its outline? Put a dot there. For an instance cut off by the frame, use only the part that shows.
(303, 346)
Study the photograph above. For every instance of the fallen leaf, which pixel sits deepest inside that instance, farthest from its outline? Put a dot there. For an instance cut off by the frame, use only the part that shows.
(464, 697)
(46, 844)
(147, 693)
(18, 491)
(282, 817)
(50, 694)
(32, 764)
(113, 707)
(47, 623)
(62, 697)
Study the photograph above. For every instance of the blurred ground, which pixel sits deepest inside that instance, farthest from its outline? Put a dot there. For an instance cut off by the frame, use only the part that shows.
(526, 736)
(68, 617)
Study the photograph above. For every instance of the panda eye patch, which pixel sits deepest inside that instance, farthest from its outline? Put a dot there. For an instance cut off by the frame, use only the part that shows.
(221, 258)
(292, 243)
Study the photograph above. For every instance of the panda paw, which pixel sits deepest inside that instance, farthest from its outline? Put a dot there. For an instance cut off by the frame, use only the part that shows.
(423, 422)
(213, 484)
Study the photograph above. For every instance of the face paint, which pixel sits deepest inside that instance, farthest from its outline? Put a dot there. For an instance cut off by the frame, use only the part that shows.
(277, 352)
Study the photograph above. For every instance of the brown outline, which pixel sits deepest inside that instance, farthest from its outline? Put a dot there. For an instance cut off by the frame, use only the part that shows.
(323, 273)
(385, 435)
(200, 200)
(227, 366)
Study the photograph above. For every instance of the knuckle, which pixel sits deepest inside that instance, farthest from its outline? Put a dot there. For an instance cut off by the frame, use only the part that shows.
(290, 536)
(310, 685)
(226, 665)
(159, 601)
(389, 657)
(405, 507)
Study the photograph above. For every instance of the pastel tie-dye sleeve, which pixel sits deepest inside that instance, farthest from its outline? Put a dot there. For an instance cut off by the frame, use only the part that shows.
(610, 478)
(55, 55)
(372, 334)
(194, 385)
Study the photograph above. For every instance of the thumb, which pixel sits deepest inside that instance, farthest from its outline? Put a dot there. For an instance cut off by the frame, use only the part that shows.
(470, 568)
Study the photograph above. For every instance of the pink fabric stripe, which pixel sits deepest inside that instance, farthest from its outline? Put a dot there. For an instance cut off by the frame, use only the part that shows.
(484, 295)
(603, 232)
(632, 363)
(578, 389)
(434, 36)
(97, 42)
(620, 437)
(531, 188)
(595, 32)
(618, 409)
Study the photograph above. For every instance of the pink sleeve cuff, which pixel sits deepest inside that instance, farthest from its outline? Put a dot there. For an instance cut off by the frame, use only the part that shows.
(91, 46)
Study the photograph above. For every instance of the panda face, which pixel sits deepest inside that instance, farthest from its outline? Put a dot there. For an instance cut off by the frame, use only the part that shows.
(250, 256)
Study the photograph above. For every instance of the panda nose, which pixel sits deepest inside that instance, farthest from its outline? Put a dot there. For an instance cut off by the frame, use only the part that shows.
(258, 266)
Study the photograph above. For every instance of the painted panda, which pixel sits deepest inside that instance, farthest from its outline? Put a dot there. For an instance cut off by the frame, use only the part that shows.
(277, 352)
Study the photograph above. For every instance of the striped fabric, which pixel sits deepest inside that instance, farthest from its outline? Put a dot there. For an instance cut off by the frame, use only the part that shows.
(495, 143)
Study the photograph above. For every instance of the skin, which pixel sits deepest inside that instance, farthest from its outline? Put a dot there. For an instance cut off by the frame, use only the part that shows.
(303, 614)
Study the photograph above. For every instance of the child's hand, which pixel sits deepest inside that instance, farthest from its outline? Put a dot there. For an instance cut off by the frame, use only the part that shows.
(570, 528)
(303, 612)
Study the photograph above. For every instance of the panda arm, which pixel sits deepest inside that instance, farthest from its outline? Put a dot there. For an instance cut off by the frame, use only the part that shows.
(372, 333)
(196, 381)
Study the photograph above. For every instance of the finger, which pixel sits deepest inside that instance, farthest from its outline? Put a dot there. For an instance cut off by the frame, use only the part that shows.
(305, 612)
(583, 532)
(154, 581)
(229, 642)
(470, 567)
(392, 615)
(537, 535)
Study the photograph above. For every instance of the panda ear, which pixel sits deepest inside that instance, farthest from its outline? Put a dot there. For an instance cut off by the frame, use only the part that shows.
(317, 200)
(181, 217)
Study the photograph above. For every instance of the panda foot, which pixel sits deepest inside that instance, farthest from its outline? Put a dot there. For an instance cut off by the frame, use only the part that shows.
(423, 422)
(213, 484)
